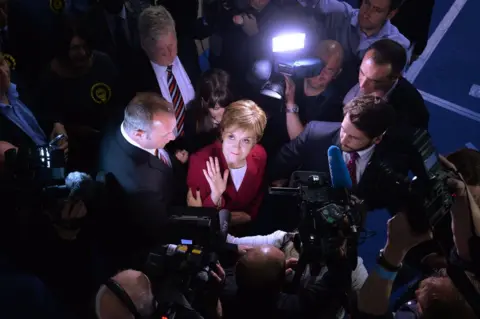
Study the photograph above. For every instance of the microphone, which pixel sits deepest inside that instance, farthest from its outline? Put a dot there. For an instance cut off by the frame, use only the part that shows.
(224, 217)
(338, 169)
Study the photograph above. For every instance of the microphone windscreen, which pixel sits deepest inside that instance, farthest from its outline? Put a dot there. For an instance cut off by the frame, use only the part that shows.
(224, 217)
(262, 70)
(338, 169)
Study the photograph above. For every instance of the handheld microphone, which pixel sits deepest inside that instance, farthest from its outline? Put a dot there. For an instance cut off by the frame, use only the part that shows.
(224, 217)
(338, 169)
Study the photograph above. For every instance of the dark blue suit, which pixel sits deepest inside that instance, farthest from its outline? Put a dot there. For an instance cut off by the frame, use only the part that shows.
(308, 152)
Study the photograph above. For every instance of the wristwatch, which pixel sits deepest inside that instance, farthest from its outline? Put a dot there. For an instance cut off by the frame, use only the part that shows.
(381, 261)
(293, 109)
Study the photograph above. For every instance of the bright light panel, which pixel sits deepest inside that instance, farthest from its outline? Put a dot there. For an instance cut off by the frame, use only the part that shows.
(288, 42)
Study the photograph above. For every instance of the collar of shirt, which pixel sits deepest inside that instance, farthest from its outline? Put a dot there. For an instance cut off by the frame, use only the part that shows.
(131, 141)
(161, 69)
(387, 31)
(363, 155)
(12, 95)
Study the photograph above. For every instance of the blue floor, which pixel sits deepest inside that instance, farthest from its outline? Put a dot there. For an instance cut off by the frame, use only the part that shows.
(449, 73)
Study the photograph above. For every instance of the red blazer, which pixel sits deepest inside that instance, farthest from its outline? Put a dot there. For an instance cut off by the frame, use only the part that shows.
(250, 194)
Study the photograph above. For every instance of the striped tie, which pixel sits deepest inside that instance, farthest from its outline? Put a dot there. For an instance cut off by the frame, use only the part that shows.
(177, 100)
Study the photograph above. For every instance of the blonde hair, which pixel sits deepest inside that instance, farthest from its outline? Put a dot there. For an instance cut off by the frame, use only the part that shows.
(153, 23)
(246, 115)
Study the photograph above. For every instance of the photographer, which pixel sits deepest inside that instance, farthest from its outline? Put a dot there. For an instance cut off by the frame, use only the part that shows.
(437, 297)
(260, 276)
(49, 236)
(18, 124)
(138, 291)
(245, 38)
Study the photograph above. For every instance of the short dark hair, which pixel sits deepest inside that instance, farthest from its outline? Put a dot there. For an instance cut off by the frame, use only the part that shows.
(387, 51)
(215, 88)
(467, 161)
(67, 28)
(370, 114)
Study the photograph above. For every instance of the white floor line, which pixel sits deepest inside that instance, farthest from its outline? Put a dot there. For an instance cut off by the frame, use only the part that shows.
(475, 91)
(470, 145)
(451, 106)
(435, 39)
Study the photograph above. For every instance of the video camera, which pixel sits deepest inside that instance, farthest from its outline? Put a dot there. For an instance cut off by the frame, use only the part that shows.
(329, 217)
(36, 173)
(196, 236)
(426, 197)
(290, 57)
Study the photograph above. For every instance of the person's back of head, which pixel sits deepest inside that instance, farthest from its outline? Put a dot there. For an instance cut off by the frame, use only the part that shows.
(214, 94)
(388, 52)
(438, 298)
(149, 120)
(260, 272)
(138, 288)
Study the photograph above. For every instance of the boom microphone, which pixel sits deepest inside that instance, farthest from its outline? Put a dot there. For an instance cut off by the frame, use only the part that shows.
(338, 169)
(224, 217)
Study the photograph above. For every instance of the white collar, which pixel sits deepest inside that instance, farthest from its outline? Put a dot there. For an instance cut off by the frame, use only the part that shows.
(131, 141)
(163, 69)
(366, 152)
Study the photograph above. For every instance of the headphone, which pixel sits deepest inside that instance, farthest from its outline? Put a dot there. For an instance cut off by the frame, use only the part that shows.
(121, 294)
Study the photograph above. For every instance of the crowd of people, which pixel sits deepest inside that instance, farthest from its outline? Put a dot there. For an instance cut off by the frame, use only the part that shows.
(117, 84)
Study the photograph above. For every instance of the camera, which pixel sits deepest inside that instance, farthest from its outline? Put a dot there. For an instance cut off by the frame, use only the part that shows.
(425, 197)
(37, 173)
(289, 58)
(195, 237)
(329, 218)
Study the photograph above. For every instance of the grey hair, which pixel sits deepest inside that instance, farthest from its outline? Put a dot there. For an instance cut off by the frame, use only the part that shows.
(153, 23)
(144, 300)
(140, 111)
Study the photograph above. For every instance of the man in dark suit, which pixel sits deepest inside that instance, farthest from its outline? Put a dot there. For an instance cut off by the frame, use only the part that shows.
(140, 175)
(381, 74)
(359, 136)
(159, 68)
(115, 30)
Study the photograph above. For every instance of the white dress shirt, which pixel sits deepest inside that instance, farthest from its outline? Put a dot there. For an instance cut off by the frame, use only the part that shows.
(362, 160)
(151, 151)
(183, 81)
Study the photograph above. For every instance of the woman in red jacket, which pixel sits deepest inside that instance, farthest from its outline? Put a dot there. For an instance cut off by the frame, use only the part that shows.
(230, 173)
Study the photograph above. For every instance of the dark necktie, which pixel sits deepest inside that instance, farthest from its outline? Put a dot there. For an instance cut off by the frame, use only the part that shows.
(121, 41)
(352, 167)
(177, 100)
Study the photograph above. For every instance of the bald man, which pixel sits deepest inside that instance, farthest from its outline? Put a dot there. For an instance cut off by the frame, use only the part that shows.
(138, 288)
(315, 99)
(260, 275)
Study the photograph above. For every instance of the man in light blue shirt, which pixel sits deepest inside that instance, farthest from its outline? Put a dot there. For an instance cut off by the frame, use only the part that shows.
(357, 29)
(18, 124)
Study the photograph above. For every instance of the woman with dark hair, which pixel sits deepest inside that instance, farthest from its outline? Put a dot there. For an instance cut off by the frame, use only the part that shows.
(214, 93)
(78, 88)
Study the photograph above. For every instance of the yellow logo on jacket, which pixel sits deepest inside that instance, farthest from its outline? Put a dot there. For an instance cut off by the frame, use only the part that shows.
(101, 93)
(57, 6)
(10, 61)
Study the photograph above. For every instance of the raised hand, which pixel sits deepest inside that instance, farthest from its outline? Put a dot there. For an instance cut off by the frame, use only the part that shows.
(216, 180)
